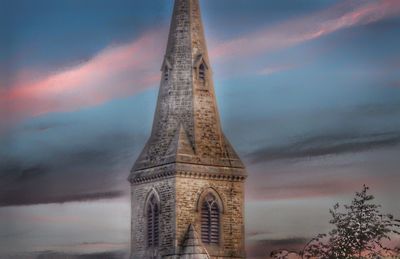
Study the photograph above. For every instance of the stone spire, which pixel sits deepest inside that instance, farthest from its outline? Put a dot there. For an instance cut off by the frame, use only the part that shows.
(186, 126)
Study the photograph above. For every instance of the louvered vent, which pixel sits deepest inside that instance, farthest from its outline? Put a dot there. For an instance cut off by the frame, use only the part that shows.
(152, 222)
(210, 221)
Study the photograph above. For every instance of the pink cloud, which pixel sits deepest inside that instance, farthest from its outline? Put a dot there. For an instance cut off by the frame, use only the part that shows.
(55, 219)
(273, 69)
(123, 70)
(345, 15)
(310, 189)
(115, 72)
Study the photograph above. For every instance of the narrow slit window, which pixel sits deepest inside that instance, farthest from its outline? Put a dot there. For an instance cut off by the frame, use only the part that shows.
(210, 220)
(166, 74)
(202, 73)
(153, 222)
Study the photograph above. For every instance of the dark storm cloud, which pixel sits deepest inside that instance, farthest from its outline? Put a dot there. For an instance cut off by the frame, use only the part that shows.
(325, 144)
(23, 198)
(59, 255)
(8, 169)
(32, 172)
(83, 173)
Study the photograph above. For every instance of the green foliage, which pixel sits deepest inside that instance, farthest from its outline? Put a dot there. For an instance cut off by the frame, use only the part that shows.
(360, 231)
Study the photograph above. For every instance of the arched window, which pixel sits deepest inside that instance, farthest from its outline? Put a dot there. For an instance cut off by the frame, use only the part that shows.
(153, 212)
(210, 213)
(202, 73)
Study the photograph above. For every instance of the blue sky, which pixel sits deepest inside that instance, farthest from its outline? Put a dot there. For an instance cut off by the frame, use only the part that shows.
(308, 92)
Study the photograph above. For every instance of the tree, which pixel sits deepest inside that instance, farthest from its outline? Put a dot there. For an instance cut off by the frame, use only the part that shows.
(360, 231)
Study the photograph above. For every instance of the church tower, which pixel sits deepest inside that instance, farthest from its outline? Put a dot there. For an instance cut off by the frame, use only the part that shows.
(187, 185)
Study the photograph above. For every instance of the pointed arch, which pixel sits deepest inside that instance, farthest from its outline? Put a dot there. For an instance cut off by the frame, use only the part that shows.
(166, 69)
(210, 208)
(201, 67)
(166, 63)
(204, 193)
(152, 192)
(200, 60)
(210, 220)
(152, 215)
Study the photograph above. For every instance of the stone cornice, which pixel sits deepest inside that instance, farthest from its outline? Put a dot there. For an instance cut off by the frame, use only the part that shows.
(194, 175)
(189, 171)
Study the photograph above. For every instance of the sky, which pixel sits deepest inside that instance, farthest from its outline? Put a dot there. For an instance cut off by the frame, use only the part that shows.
(308, 93)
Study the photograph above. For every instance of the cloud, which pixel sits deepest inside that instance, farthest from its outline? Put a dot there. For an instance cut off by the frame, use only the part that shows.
(341, 16)
(127, 69)
(273, 69)
(325, 165)
(60, 255)
(322, 145)
(308, 187)
(93, 169)
(13, 199)
(115, 72)
(262, 248)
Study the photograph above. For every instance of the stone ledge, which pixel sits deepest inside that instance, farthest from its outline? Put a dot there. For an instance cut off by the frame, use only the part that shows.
(186, 174)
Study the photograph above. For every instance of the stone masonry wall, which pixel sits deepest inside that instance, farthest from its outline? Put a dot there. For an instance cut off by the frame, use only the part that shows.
(165, 189)
(175, 105)
(188, 192)
(180, 198)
